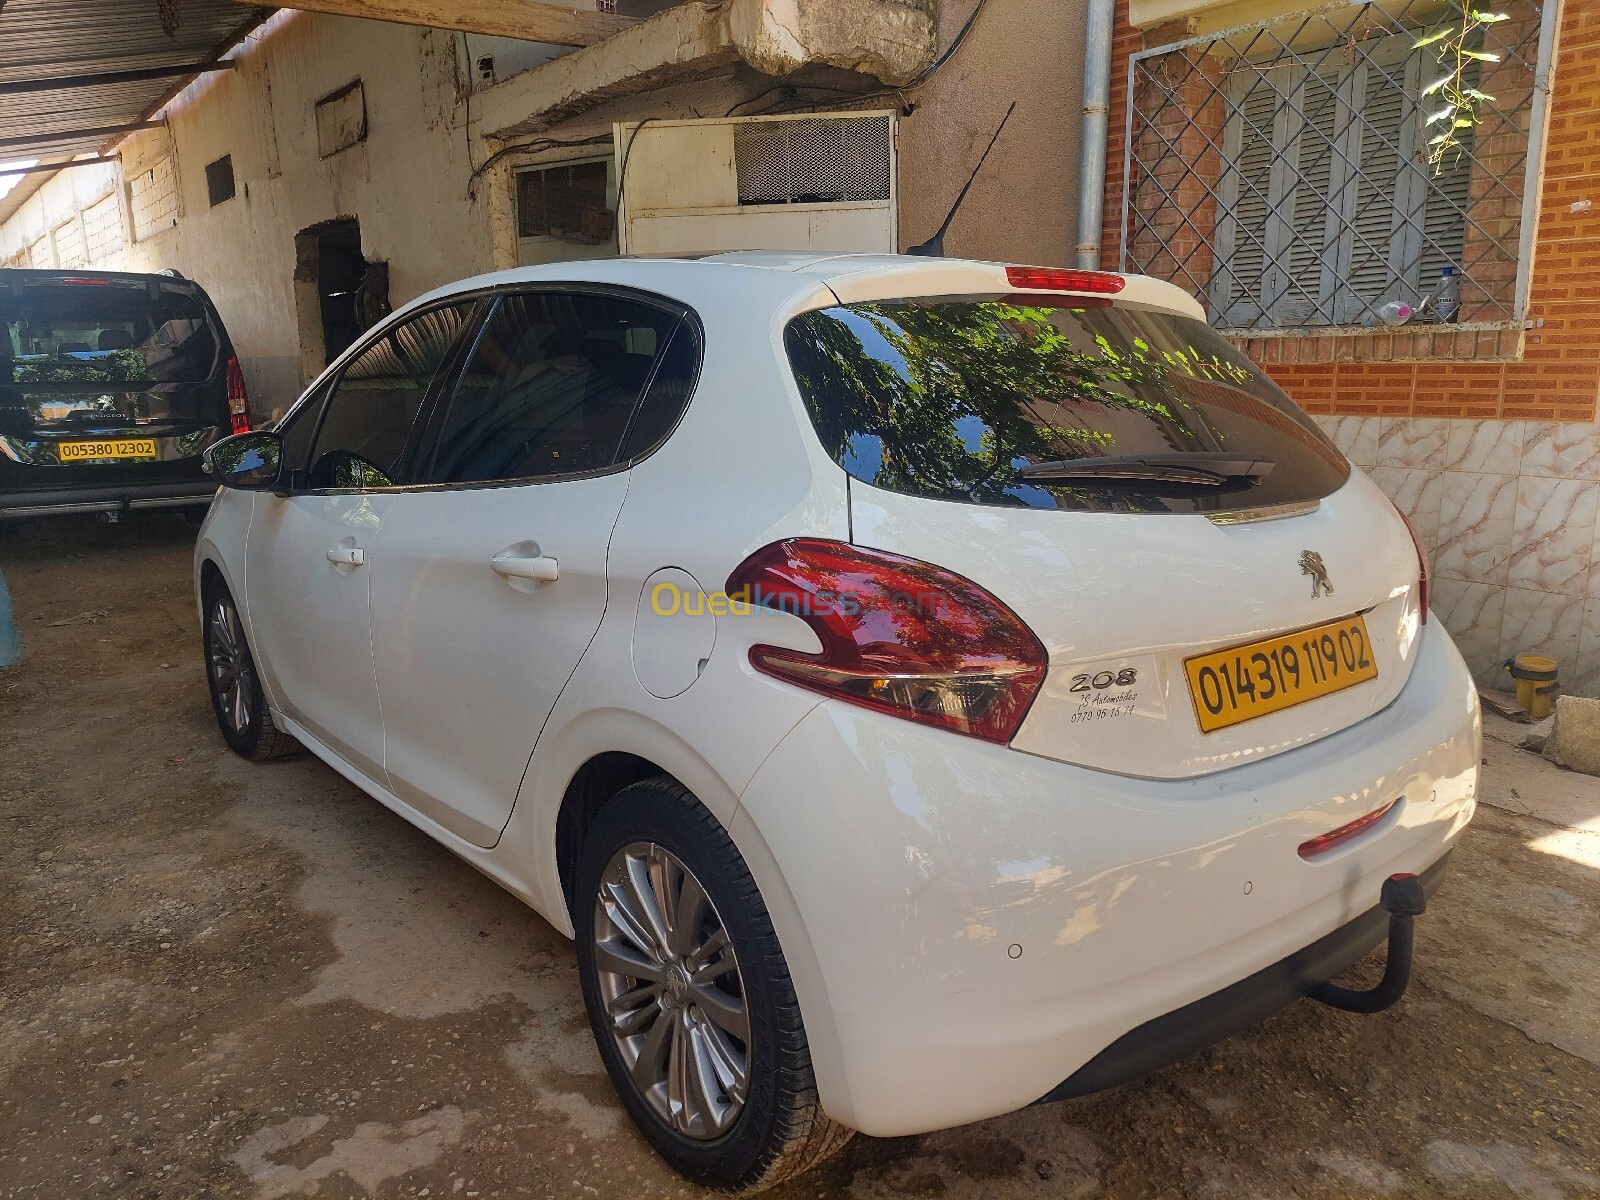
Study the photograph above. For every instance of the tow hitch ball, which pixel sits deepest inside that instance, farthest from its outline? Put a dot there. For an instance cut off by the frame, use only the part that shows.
(1403, 899)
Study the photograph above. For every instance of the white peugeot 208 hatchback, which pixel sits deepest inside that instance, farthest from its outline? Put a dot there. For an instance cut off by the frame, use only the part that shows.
(921, 687)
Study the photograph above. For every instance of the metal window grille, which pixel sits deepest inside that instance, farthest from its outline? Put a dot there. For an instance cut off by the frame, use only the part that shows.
(827, 160)
(569, 201)
(1279, 170)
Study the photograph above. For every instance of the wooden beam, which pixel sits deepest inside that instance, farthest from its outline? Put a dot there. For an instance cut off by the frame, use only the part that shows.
(530, 20)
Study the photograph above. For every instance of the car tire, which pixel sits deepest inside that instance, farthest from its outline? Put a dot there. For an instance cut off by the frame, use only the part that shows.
(678, 1032)
(236, 697)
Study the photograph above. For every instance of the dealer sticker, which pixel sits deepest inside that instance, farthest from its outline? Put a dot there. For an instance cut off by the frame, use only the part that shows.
(1114, 690)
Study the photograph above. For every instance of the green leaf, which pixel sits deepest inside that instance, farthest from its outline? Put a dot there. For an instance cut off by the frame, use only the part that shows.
(1480, 55)
(1487, 18)
(1436, 85)
(1441, 115)
(1438, 35)
(1448, 135)
(1462, 123)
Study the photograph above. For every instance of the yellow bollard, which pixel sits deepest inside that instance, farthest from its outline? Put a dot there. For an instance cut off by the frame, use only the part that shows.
(1536, 683)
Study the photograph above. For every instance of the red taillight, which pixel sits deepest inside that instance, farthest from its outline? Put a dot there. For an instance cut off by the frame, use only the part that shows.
(898, 635)
(1060, 279)
(1422, 565)
(1338, 837)
(238, 397)
(81, 281)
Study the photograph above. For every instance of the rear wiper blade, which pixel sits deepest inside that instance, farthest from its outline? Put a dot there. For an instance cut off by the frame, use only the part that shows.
(1199, 467)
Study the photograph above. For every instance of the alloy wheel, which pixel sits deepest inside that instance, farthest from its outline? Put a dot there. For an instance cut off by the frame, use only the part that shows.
(232, 677)
(672, 991)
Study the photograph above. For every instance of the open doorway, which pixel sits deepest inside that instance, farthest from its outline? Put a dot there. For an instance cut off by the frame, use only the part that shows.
(338, 293)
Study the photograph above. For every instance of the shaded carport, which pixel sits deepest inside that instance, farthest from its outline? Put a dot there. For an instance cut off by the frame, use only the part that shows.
(75, 77)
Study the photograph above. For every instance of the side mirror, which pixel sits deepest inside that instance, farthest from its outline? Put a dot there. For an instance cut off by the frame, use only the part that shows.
(248, 461)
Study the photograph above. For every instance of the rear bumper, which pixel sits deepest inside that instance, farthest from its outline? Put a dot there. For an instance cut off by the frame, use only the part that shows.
(109, 498)
(968, 926)
(1188, 1030)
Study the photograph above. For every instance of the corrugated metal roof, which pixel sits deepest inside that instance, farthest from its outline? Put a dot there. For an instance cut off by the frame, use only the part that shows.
(43, 40)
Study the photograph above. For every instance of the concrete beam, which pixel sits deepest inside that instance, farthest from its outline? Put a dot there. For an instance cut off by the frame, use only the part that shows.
(553, 24)
(891, 40)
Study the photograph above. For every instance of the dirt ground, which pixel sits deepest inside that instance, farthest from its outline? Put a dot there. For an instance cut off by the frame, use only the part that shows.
(252, 981)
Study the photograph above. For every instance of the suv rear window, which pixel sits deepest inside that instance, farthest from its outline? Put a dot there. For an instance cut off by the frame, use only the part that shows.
(953, 398)
(104, 331)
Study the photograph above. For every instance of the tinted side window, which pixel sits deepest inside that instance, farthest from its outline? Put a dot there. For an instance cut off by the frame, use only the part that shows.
(668, 395)
(550, 387)
(374, 405)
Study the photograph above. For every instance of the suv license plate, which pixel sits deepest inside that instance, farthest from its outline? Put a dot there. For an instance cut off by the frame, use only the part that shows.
(111, 448)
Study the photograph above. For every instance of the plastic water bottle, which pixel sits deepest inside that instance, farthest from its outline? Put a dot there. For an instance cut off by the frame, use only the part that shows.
(1391, 312)
(1447, 300)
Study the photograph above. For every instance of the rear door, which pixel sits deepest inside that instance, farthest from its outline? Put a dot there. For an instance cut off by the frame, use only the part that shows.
(986, 434)
(106, 380)
(308, 552)
(489, 582)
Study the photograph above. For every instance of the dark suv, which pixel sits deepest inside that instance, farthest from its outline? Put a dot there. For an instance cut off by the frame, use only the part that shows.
(112, 384)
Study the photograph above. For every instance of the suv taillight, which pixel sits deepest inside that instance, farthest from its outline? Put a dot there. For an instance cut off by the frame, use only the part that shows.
(238, 398)
(1422, 564)
(898, 635)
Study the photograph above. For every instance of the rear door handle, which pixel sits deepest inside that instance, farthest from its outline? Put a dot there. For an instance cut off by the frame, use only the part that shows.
(541, 568)
(347, 556)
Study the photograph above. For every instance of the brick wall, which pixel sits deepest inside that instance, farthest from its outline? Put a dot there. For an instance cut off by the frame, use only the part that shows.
(1458, 374)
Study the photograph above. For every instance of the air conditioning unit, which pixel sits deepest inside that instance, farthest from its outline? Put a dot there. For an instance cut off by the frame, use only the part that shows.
(810, 181)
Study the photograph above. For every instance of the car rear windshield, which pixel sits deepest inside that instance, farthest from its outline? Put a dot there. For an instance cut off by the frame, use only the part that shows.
(100, 331)
(955, 398)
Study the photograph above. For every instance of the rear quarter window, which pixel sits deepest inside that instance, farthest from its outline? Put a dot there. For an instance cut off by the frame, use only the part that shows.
(953, 398)
(105, 331)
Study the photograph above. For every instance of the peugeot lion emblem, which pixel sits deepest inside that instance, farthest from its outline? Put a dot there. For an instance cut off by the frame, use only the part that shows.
(1311, 564)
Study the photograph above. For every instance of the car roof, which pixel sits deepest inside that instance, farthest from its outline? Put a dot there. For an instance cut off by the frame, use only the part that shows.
(781, 274)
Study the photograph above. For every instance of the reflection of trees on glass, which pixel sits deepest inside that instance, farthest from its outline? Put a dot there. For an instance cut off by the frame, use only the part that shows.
(117, 366)
(948, 398)
(104, 332)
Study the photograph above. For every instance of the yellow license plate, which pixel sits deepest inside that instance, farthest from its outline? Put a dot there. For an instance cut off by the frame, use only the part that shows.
(1245, 682)
(108, 448)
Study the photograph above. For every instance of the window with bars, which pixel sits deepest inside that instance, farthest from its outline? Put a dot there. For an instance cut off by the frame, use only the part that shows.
(1280, 171)
(1327, 207)
(571, 201)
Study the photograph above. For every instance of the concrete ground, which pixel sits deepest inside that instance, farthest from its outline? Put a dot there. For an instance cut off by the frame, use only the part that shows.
(252, 981)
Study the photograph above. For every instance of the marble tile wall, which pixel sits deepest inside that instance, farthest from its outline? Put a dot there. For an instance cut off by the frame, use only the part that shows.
(1511, 512)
